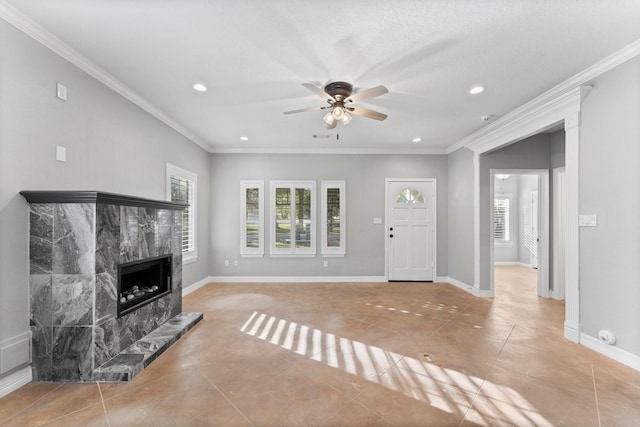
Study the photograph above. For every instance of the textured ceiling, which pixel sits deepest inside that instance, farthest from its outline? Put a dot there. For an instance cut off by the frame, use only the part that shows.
(254, 56)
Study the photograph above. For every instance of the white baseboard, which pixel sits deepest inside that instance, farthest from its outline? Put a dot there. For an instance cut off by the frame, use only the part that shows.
(195, 286)
(296, 279)
(14, 381)
(571, 333)
(480, 293)
(615, 353)
(518, 263)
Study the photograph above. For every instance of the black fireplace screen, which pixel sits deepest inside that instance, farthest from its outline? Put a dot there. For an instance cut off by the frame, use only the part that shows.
(143, 281)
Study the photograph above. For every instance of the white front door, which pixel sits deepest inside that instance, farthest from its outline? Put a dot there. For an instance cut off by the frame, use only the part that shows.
(411, 216)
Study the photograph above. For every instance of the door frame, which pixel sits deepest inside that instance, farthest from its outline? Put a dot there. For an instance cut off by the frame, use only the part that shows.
(559, 233)
(547, 112)
(543, 226)
(434, 211)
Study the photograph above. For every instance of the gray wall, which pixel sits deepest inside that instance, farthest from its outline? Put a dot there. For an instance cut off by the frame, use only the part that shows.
(365, 188)
(112, 145)
(460, 171)
(609, 180)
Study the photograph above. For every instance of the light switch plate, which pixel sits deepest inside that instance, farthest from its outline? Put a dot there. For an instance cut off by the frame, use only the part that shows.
(61, 154)
(377, 221)
(588, 220)
(61, 91)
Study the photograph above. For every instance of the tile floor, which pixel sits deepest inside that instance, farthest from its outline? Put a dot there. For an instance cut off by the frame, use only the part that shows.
(357, 354)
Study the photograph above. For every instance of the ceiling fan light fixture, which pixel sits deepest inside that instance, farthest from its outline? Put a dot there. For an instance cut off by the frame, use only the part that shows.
(328, 118)
(338, 112)
(346, 118)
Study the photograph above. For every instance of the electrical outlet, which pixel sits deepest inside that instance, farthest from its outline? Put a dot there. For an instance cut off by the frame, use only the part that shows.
(235, 262)
(588, 220)
(226, 263)
(326, 263)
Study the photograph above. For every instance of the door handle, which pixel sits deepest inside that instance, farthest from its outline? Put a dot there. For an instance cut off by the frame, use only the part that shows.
(391, 235)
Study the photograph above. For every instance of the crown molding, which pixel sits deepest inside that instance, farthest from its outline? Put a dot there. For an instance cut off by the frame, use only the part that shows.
(582, 78)
(381, 151)
(530, 122)
(36, 32)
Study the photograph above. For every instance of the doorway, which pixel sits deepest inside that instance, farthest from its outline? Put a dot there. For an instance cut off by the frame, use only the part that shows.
(410, 250)
(520, 223)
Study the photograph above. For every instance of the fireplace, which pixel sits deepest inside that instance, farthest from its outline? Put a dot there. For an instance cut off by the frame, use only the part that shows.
(88, 250)
(141, 282)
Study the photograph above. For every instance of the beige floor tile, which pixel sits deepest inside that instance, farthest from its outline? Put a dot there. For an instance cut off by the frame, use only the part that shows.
(401, 409)
(510, 398)
(28, 395)
(93, 416)
(356, 415)
(64, 400)
(334, 354)
(287, 399)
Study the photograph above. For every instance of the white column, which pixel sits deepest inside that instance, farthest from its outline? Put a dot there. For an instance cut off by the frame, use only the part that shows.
(572, 271)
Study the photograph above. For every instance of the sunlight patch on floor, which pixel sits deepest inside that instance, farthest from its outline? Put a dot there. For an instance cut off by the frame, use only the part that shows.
(442, 388)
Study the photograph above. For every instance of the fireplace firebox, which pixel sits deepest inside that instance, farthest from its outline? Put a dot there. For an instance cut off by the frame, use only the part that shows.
(143, 281)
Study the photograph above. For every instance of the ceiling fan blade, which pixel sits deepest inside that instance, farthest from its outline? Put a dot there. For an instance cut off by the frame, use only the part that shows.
(369, 93)
(302, 110)
(333, 125)
(365, 112)
(321, 93)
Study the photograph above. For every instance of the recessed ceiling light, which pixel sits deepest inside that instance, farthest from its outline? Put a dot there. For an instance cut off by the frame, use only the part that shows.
(476, 90)
(244, 138)
(200, 87)
(416, 140)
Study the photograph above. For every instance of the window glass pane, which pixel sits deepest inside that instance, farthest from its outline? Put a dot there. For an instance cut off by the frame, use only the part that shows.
(501, 217)
(303, 217)
(182, 192)
(409, 196)
(253, 217)
(283, 218)
(333, 217)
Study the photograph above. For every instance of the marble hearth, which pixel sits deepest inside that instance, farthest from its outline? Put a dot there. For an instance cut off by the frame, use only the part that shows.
(77, 241)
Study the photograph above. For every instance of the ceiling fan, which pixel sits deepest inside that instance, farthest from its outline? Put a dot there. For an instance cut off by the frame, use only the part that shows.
(338, 96)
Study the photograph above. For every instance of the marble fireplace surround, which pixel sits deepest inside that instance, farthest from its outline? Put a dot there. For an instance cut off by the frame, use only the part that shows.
(77, 239)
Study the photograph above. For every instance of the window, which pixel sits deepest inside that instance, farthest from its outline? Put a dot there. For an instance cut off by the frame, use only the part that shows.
(333, 218)
(182, 188)
(409, 196)
(502, 219)
(293, 225)
(252, 218)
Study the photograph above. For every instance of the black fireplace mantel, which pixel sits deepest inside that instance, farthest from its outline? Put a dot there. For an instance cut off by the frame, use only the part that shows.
(98, 197)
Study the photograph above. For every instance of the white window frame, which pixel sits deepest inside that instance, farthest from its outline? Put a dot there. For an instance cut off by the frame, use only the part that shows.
(292, 251)
(504, 242)
(190, 255)
(244, 250)
(333, 251)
